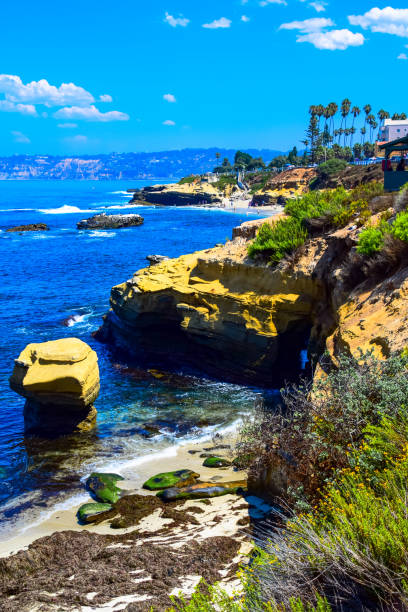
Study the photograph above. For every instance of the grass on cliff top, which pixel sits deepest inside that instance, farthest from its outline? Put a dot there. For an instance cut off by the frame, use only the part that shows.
(315, 211)
(187, 180)
(277, 240)
(349, 550)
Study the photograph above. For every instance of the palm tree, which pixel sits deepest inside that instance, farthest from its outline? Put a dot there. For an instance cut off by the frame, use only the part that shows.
(363, 132)
(355, 111)
(320, 112)
(373, 124)
(345, 109)
(217, 156)
(333, 108)
(352, 132)
(382, 116)
(367, 110)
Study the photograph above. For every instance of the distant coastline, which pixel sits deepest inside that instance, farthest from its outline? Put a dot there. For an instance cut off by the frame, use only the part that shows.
(163, 165)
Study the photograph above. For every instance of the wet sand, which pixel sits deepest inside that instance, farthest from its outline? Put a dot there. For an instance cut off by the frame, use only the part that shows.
(175, 458)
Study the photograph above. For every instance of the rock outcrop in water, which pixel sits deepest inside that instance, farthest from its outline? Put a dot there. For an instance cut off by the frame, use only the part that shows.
(60, 380)
(187, 194)
(32, 227)
(247, 321)
(104, 221)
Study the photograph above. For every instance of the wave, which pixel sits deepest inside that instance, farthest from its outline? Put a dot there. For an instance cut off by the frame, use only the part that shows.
(74, 319)
(121, 193)
(100, 234)
(62, 210)
(9, 210)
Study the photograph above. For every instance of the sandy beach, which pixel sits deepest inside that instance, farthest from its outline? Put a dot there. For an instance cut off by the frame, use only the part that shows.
(174, 458)
(218, 527)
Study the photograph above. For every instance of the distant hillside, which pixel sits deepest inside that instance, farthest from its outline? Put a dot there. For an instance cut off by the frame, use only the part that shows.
(164, 164)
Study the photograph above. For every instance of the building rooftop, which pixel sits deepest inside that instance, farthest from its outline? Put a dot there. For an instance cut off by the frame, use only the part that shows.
(388, 122)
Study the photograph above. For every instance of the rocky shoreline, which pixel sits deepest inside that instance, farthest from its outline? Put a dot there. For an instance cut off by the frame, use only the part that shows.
(169, 546)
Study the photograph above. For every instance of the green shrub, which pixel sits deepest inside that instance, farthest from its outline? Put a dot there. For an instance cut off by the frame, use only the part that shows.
(187, 180)
(353, 544)
(276, 240)
(223, 181)
(370, 241)
(400, 226)
(320, 425)
(331, 167)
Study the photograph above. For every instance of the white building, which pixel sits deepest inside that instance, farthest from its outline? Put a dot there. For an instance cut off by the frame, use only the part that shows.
(393, 129)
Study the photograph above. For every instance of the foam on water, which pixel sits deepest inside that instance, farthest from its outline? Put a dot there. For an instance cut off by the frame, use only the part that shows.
(100, 234)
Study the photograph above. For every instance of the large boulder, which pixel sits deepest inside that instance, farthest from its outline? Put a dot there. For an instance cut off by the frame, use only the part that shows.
(104, 221)
(103, 486)
(60, 380)
(95, 512)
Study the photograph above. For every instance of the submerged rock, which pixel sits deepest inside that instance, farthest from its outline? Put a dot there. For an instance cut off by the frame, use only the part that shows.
(103, 486)
(104, 221)
(94, 512)
(60, 380)
(202, 490)
(32, 227)
(179, 478)
(214, 462)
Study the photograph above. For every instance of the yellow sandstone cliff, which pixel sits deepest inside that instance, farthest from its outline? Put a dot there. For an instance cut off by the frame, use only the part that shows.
(248, 322)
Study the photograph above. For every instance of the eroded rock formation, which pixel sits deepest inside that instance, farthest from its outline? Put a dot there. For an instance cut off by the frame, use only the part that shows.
(247, 321)
(60, 380)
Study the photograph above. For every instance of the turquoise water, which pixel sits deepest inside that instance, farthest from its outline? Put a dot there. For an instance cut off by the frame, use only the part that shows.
(49, 276)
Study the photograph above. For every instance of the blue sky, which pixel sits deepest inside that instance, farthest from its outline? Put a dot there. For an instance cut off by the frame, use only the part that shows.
(168, 74)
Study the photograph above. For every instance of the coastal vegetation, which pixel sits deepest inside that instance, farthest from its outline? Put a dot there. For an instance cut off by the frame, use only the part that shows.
(313, 211)
(340, 540)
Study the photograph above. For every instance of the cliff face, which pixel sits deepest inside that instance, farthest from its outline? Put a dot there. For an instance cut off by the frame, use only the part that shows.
(248, 322)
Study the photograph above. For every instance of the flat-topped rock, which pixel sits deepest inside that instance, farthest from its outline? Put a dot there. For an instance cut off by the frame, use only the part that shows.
(60, 380)
(104, 221)
(32, 227)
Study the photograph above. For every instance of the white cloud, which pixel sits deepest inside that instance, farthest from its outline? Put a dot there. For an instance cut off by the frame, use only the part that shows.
(245, 19)
(402, 56)
(105, 98)
(169, 98)
(90, 113)
(20, 137)
(266, 2)
(12, 107)
(67, 125)
(176, 21)
(319, 7)
(308, 25)
(387, 21)
(333, 39)
(223, 22)
(169, 122)
(41, 92)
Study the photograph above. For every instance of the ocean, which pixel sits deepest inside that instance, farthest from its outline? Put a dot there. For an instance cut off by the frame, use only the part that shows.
(47, 277)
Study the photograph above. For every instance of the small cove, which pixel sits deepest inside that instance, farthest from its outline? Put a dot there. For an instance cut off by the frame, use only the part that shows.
(48, 277)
